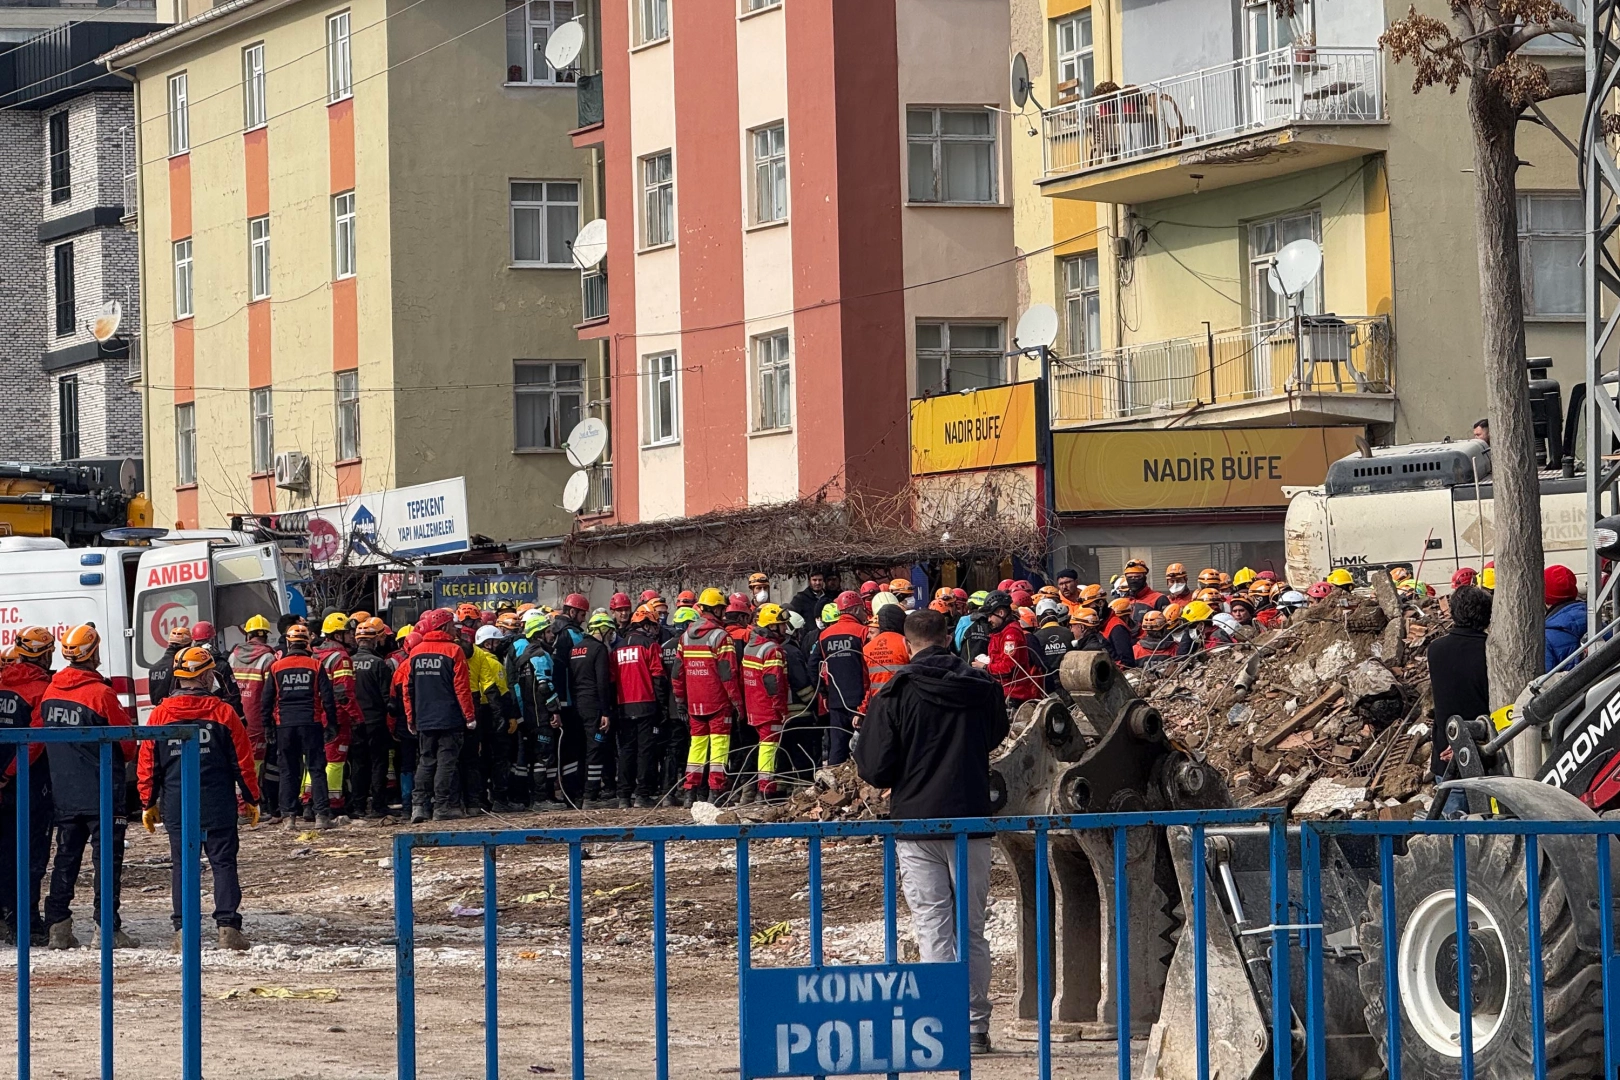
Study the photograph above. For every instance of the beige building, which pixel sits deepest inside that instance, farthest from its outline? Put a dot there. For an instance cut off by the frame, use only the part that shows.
(355, 222)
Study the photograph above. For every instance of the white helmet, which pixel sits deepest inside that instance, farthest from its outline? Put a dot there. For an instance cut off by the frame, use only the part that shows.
(1048, 606)
(486, 633)
(1227, 623)
(1293, 598)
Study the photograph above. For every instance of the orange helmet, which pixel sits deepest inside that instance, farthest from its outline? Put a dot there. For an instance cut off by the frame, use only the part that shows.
(1088, 617)
(180, 635)
(1136, 566)
(1208, 596)
(644, 613)
(1226, 580)
(943, 594)
(1048, 591)
(1172, 610)
(1259, 589)
(508, 622)
(941, 606)
(81, 644)
(33, 643)
(1091, 595)
(1026, 616)
(193, 663)
(359, 616)
(900, 587)
(371, 627)
(464, 612)
(1175, 572)
(1121, 607)
(1209, 578)
(297, 634)
(1153, 621)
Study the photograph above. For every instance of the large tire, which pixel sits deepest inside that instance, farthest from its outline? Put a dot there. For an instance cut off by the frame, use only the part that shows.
(1425, 911)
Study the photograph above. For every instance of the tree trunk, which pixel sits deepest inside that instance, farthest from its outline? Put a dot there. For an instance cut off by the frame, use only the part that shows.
(1517, 617)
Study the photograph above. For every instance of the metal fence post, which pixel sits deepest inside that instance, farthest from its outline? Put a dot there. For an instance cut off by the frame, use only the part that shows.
(25, 909)
(191, 908)
(1538, 1015)
(576, 959)
(1122, 952)
(1392, 989)
(1606, 947)
(492, 1045)
(1043, 958)
(660, 967)
(1310, 873)
(404, 958)
(1282, 1031)
(1200, 931)
(1465, 980)
(105, 924)
(744, 953)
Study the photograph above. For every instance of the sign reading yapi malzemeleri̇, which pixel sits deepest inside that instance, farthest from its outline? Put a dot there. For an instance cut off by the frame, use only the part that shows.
(485, 591)
(400, 523)
(1186, 470)
(981, 429)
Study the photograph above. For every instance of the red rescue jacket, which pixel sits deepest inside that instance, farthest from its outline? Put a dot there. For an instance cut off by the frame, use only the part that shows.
(22, 686)
(438, 686)
(765, 680)
(80, 698)
(225, 759)
(334, 659)
(250, 666)
(637, 667)
(1014, 665)
(706, 681)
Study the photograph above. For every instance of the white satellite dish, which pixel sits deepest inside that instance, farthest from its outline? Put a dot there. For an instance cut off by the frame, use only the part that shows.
(106, 324)
(590, 246)
(1021, 86)
(576, 491)
(1295, 267)
(565, 45)
(586, 442)
(1038, 328)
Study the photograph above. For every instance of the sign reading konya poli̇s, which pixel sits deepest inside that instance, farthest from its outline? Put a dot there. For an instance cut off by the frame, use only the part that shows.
(1183, 470)
(981, 429)
(385, 526)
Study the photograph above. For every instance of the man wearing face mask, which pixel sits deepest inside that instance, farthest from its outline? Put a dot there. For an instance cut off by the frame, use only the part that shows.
(759, 589)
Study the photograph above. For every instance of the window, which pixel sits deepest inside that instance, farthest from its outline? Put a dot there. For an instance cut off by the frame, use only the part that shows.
(61, 159)
(348, 415)
(658, 200)
(182, 279)
(1552, 244)
(67, 417)
(264, 432)
(253, 114)
(67, 312)
(179, 116)
(770, 174)
(185, 445)
(1080, 303)
(773, 382)
(660, 400)
(652, 20)
(548, 399)
(545, 220)
(259, 257)
(343, 235)
(760, 5)
(1075, 71)
(339, 73)
(959, 356)
(1266, 238)
(529, 25)
(952, 155)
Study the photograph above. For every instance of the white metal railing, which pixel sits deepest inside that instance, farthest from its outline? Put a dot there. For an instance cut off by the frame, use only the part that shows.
(1296, 84)
(593, 286)
(131, 197)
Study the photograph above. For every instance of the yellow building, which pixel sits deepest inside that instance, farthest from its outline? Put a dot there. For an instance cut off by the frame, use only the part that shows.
(1181, 145)
(356, 221)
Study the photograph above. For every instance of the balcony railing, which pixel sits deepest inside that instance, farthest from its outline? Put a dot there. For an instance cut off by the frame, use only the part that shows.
(589, 88)
(132, 197)
(593, 286)
(1330, 355)
(1297, 84)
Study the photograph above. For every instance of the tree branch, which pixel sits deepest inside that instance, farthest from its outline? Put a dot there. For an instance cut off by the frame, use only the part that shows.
(1527, 34)
(1562, 82)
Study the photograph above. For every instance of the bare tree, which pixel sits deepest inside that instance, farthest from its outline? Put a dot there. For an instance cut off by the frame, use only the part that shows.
(1481, 48)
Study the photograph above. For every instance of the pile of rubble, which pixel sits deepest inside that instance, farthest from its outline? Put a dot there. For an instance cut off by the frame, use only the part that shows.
(835, 794)
(1328, 715)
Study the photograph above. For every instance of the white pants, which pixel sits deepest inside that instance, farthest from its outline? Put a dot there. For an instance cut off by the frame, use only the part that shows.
(928, 880)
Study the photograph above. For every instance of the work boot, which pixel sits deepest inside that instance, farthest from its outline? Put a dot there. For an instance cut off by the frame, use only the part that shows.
(693, 796)
(294, 823)
(61, 936)
(552, 805)
(748, 796)
(624, 802)
(646, 802)
(501, 806)
(419, 815)
(121, 939)
(978, 1043)
(177, 943)
(324, 822)
(455, 813)
(233, 939)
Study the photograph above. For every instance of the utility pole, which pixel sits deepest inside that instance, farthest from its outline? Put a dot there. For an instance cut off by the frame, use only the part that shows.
(1600, 182)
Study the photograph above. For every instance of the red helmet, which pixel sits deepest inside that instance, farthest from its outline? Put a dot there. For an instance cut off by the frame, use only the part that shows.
(436, 619)
(1319, 591)
(202, 631)
(738, 604)
(620, 602)
(848, 602)
(869, 589)
(648, 595)
(959, 594)
(1005, 585)
(1021, 598)
(412, 640)
(685, 598)
(487, 618)
(1464, 576)
(1022, 585)
(577, 601)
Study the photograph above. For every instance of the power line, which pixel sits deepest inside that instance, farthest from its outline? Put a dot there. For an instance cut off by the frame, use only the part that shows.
(100, 12)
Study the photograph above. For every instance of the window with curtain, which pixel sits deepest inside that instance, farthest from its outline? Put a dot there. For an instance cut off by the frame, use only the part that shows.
(529, 26)
(1081, 304)
(951, 155)
(1075, 62)
(545, 220)
(548, 399)
(1266, 238)
(1552, 243)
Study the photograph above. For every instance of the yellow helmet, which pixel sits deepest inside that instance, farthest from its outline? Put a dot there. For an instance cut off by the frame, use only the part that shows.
(1244, 576)
(1487, 578)
(712, 598)
(1197, 612)
(405, 632)
(1340, 577)
(770, 615)
(256, 625)
(335, 623)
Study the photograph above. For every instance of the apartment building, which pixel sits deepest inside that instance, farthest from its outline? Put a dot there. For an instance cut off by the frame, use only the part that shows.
(66, 143)
(810, 213)
(1182, 144)
(355, 224)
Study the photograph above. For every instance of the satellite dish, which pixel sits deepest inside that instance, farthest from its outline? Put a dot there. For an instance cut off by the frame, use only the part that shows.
(576, 491)
(1038, 328)
(586, 442)
(590, 246)
(1296, 266)
(565, 45)
(1021, 86)
(106, 324)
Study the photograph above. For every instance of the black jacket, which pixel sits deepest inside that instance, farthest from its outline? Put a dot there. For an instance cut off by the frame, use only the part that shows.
(590, 675)
(928, 735)
(1052, 643)
(373, 684)
(976, 642)
(160, 680)
(1461, 686)
(809, 604)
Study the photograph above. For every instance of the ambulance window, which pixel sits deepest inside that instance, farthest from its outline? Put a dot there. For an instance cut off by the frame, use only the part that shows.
(238, 603)
(161, 611)
(242, 566)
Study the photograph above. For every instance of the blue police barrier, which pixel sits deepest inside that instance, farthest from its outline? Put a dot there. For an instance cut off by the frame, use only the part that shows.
(111, 805)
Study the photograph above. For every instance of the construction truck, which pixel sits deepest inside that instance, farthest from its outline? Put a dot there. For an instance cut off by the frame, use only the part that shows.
(75, 501)
(1098, 747)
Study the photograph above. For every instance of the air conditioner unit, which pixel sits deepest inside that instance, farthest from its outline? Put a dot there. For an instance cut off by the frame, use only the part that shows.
(292, 471)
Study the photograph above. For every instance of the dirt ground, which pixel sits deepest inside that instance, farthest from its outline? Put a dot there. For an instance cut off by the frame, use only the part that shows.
(319, 910)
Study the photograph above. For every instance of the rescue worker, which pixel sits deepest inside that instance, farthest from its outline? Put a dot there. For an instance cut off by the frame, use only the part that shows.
(1157, 644)
(438, 704)
(225, 687)
(1008, 657)
(23, 683)
(405, 639)
(706, 681)
(886, 653)
(638, 677)
(1053, 638)
(843, 672)
(1266, 615)
(537, 699)
(334, 654)
(759, 588)
(1242, 580)
(566, 624)
(799, 751)
(160, 679)
(1088, 631)
(1241, 608)
(1117, 632)
(620, 608)
(677, 735)
(1208, 578)
(299, 696)
(250, 666)
(1320, 592)
(494, 713)
(1342, 580)
(373, 739)
(590, 681)
(225, 765)
(972, 635)
(904, 592)
(1143, 597)
(1068, 587)
(79, 697)
(1175, 583)
(766, 694)
(1194, 629)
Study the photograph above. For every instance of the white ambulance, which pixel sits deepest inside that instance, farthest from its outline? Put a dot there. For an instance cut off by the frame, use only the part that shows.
(136, 595)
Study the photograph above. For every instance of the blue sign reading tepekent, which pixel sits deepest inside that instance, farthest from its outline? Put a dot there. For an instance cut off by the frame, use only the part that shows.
(842, 1021)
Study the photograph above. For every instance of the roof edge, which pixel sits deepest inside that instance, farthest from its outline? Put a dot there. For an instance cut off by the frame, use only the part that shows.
(180, 34)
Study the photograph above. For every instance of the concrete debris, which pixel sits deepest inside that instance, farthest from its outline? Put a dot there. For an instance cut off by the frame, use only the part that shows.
(837, 794)
(1328, 796)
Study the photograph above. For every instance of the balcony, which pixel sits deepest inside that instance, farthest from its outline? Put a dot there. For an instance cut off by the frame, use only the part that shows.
(1280, 112)
(1333, 370)
(593, 287)
(590, 100)
(132, 199)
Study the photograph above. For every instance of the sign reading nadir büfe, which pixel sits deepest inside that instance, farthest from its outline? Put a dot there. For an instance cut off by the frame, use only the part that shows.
(1183, 470)
(384, 526)
(841, 1021)
(981, 429)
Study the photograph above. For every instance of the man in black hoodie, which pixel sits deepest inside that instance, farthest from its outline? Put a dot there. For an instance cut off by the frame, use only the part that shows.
(928, 736)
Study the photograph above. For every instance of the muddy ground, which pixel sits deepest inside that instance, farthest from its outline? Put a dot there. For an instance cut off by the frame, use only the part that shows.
(319, 911)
